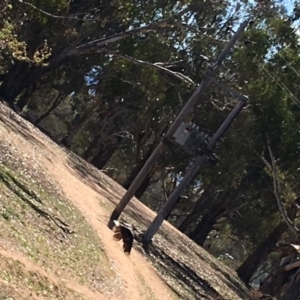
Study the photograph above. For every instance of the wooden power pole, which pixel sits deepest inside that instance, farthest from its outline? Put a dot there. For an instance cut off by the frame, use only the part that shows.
(162, 147)
(199, 162)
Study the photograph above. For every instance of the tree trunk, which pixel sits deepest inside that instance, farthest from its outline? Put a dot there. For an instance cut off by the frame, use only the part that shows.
(204, 227)
(218, 208)
(87, 153)
(145, 184)
(24, 99)
(246, 270)
(280, 279)
(139, 166)
(108, 140)
(193, 215)
(19, 77)
(277, 280)
(293, 288)
(105, 153)
(54, 105)
(74, 130)
(80, 122)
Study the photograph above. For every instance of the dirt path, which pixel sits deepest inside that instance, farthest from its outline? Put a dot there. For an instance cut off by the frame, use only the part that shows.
(87, 200)
(137, 274)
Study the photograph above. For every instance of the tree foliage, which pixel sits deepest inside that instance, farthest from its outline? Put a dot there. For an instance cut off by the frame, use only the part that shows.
(108, 78)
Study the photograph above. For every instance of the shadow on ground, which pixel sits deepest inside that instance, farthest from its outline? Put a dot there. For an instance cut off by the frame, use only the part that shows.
(185, 267)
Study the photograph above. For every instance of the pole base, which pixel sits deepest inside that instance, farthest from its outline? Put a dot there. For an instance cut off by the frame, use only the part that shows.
(145, 243)
(114, 216)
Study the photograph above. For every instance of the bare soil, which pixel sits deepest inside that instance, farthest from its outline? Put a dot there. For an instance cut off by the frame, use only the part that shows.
(55, 243)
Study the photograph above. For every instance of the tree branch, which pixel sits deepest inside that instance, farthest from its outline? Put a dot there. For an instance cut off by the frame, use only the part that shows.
(263, 160)
(287, 220)
(56, 16)
(94, 45)
(222, 107)
(157, 66)
(293, 265)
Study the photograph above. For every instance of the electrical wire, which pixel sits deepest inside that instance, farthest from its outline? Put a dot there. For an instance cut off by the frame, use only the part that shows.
(282, 86)
(278, 81)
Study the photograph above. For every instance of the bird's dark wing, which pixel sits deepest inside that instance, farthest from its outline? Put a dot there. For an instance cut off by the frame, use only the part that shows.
(117, 233)
(127, 240)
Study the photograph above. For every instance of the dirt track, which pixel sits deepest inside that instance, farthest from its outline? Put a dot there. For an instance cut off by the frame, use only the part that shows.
(184, 268)
(130, 269)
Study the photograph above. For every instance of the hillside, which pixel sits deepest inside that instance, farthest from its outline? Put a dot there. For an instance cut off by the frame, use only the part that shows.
(55, 243)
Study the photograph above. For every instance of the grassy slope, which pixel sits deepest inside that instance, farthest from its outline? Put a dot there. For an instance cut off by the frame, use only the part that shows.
(189, 270)
(37, 222)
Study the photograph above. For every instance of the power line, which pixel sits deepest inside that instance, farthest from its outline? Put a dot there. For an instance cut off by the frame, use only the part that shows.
(278, 81)
(282, 86)
(288, 64)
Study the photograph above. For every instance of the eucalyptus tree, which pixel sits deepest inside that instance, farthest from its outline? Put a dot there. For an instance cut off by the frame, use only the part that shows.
(264, 67)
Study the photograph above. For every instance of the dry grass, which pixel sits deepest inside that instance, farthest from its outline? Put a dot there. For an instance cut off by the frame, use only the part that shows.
(37, 221)
(15, 274)
(9, 292)
(189, 270)
(41, 224)
(144, 289)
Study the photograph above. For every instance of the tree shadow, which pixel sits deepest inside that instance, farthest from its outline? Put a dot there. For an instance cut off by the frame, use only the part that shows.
(28, 197)
(181, 274)
(185, 267)
(182, 264)
(91, 175)
(21, 127)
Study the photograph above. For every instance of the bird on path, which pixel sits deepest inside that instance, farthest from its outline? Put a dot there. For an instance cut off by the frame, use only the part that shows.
(124, 231)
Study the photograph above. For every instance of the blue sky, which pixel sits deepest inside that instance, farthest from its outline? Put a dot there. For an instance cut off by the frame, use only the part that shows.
(288, 4)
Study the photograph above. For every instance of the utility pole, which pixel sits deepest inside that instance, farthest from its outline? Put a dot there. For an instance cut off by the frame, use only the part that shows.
(187, 108)
(199, 162)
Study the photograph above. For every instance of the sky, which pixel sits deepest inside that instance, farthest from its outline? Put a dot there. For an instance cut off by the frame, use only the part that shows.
(288, 4)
